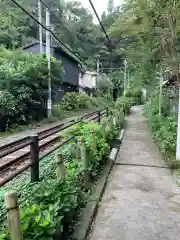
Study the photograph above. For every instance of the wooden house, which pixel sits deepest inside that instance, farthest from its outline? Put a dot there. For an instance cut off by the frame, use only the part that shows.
(72, 67)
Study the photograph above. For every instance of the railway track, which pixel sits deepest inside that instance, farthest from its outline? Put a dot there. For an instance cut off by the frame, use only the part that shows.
(15, 156)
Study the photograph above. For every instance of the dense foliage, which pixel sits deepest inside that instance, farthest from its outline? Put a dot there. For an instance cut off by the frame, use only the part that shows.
(147, 33)
(28, 74)
(124, 103)
(23, 86)
(53, 205)
(73, 100)
(72, 23)
(163, 128)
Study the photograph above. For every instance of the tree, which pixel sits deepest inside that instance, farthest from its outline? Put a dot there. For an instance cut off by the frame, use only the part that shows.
(103, 16)
(72, 23)
(147, 32)
(110, 6)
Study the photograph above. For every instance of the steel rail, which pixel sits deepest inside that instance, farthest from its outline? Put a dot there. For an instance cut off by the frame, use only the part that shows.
(45, 145)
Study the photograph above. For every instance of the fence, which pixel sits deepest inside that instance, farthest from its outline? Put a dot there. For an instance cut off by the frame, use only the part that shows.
(11, 198)
(35, 147)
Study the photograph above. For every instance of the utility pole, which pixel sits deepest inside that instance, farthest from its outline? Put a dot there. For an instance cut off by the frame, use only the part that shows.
(40, 27)
(98, 65)
(160, 93)
(178, 133)
(48, 55)
(128, 80)
(125, 76)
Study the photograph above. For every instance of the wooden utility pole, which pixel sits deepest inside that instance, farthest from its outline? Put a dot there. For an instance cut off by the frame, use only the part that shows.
(94, 145)
(60, 168)
(34, 153)
(85, 163)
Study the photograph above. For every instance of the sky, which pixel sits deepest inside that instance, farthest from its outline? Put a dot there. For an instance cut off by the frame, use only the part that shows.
(100, 5)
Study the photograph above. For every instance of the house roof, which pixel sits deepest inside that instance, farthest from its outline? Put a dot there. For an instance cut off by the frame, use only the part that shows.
(57, 49)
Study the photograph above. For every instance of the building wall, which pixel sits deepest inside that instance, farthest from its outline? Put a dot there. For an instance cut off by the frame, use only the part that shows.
(71, 67)
(94, 81)
(87, 81)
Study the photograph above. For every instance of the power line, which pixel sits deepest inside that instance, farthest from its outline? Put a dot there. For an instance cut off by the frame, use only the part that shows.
(47, 29)
(93, 7)
(55, 16)
(62, 24)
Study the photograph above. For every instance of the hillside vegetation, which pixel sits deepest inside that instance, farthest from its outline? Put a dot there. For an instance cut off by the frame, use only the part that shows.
(148, 34)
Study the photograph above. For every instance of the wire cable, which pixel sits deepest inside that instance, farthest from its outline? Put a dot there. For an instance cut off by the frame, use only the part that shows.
(62, 24)
(55, 15)
(97, 16)
(47, 29)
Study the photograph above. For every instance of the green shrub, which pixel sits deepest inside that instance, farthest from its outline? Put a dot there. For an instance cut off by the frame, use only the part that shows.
(8, 108)
(81, 100)
(124, 103)
(111, 132)
(163, 128)
(55, 204)
(135, 93)
(49, 210)
(70, 101)
(25, 76)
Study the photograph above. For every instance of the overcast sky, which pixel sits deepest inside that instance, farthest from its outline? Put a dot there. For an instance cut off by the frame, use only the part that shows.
(100, 5)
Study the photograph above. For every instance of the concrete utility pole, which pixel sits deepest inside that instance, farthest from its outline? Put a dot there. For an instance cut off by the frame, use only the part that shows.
(125, 76)
(40, 27)
(128, 77)
(48, 55)
(178, 133)
(98, 65)
(160, 93)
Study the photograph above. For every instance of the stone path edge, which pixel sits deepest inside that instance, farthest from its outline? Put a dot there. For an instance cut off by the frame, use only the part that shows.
(90, 211)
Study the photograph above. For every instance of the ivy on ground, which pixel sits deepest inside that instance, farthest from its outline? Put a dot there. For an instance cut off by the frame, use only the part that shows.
(51, 209)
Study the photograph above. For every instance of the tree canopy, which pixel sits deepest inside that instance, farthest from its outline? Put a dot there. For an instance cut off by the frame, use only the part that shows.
(72, 23)
(147, 33)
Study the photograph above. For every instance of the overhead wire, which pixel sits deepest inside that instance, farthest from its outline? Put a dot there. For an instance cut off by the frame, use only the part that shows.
(103, 28)
(47, 29)
(62, 24)
(97, 16)
(55, 15)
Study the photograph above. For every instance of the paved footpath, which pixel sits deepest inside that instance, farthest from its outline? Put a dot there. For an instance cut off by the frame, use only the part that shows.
(142, 200)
